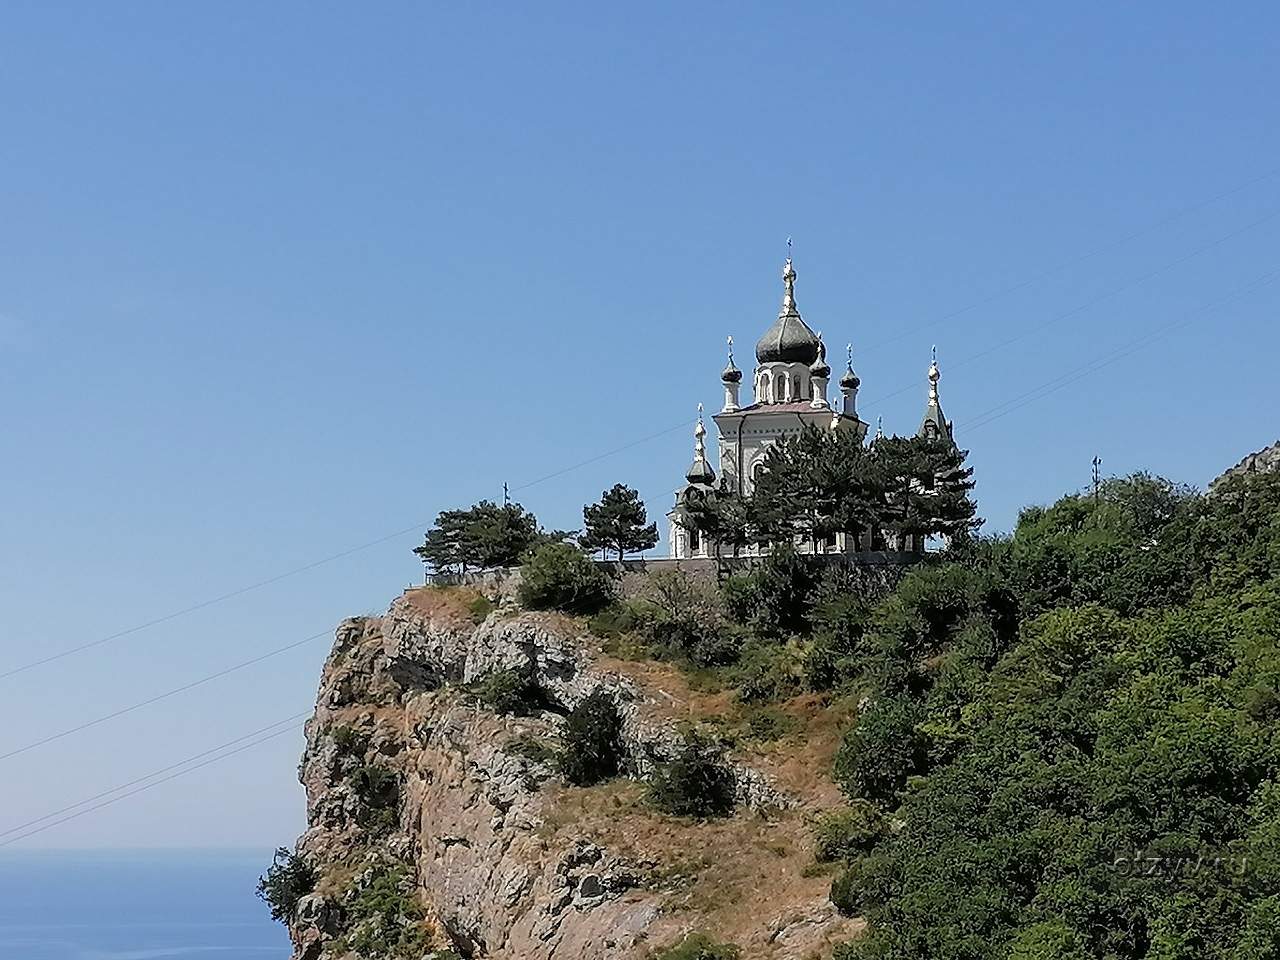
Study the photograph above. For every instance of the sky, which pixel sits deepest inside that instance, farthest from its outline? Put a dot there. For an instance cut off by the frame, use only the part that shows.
(277, 281)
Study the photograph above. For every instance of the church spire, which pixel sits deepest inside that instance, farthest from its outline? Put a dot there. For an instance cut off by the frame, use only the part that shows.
(788, 290)
(935, 425)
(732, 380)
(700, 470)
(849, 384)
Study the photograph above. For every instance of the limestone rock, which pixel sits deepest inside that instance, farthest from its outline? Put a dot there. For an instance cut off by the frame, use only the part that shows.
(471, 831)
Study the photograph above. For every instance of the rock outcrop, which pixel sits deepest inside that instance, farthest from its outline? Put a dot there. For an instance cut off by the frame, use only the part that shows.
(1266, 460)
(419, 796)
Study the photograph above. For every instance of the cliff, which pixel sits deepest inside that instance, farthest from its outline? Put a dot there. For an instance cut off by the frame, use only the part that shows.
(438, 824)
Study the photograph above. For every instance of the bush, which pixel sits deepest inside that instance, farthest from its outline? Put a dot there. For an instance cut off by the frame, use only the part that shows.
(349, 741)
(613, 622)
(696, 783)
(843, 834)
(883, 748)
(838, 652)
(387, 921)
(768, 723)
(510, 691)
(529, 747)
(766, 672)
(286, 881)
(592, 741)
(776, 598)
(557, 576)
(480, 608)
(699, 946)
(378, 790)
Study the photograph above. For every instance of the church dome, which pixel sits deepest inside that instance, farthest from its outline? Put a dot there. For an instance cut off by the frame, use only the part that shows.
(700, 472)
(789, 340)
(731, 373)
(850, 379)
(819, 367)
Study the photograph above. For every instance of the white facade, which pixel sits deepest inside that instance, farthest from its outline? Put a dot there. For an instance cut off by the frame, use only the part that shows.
(788, 391)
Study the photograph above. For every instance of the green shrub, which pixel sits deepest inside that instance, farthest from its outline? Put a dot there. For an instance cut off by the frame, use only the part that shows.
(613, 622)
(768, 671)
(768, 723)
(378, 790)
(592, 740)
(386, 919)
(845, 833)
(697, 782)
(557, 576)
(349, 741)
(700, 946)
(480, 608)
(286, 881)
(511, 691)
(883, 748)
(838, 651)
(529, 747)
(776, 597)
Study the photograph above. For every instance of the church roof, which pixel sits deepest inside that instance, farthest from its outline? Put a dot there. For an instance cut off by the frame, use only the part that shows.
(789, 340)
(935, 424)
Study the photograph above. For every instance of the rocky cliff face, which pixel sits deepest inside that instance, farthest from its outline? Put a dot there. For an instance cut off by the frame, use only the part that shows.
(1266, 460)
(436, 824)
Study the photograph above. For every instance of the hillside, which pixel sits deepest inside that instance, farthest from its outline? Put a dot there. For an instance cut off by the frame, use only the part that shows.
(1061, 744)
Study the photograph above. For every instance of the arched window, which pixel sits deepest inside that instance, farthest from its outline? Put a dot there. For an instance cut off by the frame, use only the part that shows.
(694, 540)
(780, 388)
(795, 388)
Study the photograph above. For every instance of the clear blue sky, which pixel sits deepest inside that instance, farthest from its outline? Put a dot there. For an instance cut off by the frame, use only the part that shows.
(275, 282)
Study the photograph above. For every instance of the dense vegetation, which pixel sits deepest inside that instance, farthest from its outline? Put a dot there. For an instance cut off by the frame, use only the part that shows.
(558, 576)
(818, 483)
(482, 537)
(1074, 732)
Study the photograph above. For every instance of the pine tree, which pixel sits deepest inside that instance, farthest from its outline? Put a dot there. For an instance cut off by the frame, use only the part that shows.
(926, 486)
(618, 522)
(722, 516)
(814, 485)
(483, 536)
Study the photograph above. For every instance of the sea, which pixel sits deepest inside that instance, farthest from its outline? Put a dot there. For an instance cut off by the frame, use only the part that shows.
(136, 905)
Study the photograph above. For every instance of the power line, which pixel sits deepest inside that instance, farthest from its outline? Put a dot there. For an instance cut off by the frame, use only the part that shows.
(291, 721)
(1114, 291)
(221, 752)
(240, 591)
(163, 696)
(1075, 261)
(1132, 346)
(222, 598)
(144, 787)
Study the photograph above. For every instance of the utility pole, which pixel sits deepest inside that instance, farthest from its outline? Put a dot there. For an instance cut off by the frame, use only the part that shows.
(1097, 482)
(506, 495)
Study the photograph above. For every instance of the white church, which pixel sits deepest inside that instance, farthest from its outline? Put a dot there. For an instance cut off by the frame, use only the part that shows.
(789, 391)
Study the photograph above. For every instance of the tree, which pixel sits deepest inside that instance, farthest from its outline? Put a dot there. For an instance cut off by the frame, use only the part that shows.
(618, 522)
(557, 576)
(484, 536)
(287, 880)
(722, 516)
(696, 782)
(926, 487)
(592, 740)
(813, 485)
